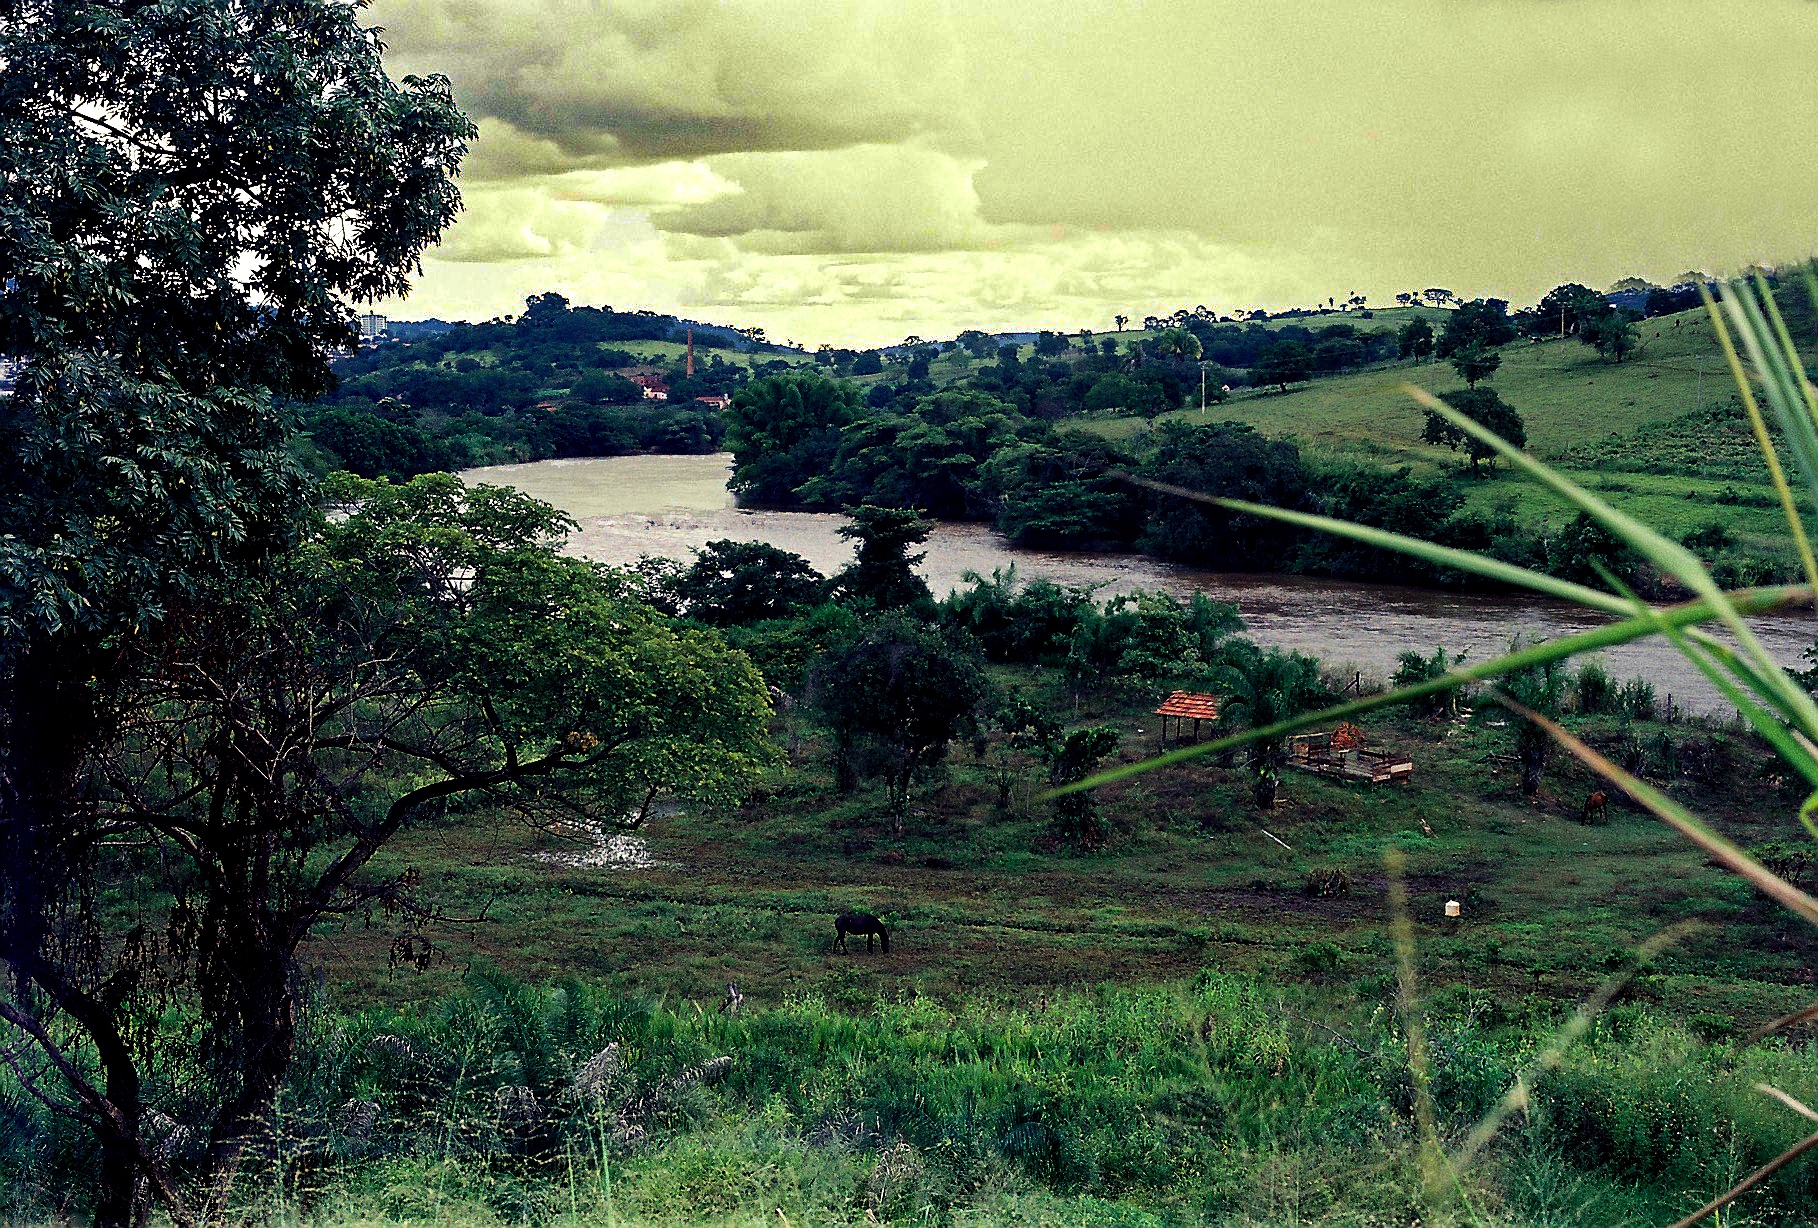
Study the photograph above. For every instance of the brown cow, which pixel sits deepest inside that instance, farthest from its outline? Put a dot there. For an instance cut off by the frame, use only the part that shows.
(1596, 808)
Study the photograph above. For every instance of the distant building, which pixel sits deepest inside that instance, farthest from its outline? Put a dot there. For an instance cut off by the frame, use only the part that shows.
(718, 400)
(372, 328)
(654, 386)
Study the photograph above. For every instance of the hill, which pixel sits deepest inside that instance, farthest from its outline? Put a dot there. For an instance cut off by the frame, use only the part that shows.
(1662, 433)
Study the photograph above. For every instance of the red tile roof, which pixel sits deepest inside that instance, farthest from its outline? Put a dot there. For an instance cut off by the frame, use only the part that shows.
(1190, 705)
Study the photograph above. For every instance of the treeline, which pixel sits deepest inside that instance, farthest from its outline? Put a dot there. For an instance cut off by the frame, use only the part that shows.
(552, 383)
(801, 440)
(392, 440)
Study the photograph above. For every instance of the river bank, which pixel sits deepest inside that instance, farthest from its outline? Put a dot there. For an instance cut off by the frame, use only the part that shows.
(669, 506)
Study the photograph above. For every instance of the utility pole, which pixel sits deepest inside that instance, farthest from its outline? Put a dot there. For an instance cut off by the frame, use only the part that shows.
(1202, 393)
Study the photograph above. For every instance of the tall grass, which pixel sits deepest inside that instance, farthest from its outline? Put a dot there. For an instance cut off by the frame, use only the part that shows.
(1216, 1101)
(1747, 322)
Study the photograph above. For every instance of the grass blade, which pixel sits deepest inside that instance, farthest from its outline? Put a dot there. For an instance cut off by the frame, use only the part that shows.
(1671, 557)
(1782, 489)
(1750, 1182)
(1676, 816)
(1442, 556)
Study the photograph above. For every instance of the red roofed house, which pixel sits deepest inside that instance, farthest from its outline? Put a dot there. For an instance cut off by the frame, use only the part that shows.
(1186, 706)
(718, 400)
(655, 389)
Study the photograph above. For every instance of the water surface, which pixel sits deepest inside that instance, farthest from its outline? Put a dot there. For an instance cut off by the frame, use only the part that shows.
(669, 506)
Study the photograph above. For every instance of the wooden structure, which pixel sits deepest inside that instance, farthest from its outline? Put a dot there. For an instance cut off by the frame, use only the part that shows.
(1184, 706)
(1340, 754)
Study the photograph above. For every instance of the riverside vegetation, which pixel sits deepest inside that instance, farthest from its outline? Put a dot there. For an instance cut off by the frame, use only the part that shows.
(975, 429)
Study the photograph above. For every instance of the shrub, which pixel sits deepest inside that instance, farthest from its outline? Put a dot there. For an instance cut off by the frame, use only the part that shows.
(1636, 699)
(1594, 691)
(1320, 960)
(1415, 668)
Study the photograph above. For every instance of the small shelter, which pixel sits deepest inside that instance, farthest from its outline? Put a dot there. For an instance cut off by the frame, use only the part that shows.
(1184, 706)
(1340, 754)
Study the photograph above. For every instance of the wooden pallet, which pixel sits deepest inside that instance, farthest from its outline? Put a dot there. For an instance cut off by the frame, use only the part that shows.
(1315, 753)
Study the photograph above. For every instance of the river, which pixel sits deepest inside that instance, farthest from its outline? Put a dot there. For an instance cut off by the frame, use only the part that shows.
(629, 506)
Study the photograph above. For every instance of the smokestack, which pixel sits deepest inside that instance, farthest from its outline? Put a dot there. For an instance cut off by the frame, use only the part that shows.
(691, 352)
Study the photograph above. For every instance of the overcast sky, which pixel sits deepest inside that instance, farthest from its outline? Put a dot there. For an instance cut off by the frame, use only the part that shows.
(850, 171)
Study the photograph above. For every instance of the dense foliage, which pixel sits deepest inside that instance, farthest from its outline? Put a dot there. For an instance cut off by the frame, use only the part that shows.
(1179, 1103)
(191, 194)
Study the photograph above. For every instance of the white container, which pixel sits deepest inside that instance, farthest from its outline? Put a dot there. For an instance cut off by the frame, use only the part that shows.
(1454, 908)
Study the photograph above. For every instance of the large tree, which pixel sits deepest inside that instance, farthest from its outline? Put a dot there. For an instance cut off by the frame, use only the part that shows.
(882, 574)
(1484, 407)
(894, 698)
(1284, 363)
(193, 195)
(422, 644)
(1611, 334)
(1475, 362)
(1415, 340)
(1224, 458)
(1563, 310)
(731, 583)
(783, 430)
(1482, 322)
(1263, 688)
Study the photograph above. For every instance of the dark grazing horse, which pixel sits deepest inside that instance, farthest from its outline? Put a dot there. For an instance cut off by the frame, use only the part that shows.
(859, 923)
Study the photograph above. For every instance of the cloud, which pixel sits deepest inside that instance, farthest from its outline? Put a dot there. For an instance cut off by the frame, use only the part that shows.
(651, 80)
(869, 198)
(859, 169)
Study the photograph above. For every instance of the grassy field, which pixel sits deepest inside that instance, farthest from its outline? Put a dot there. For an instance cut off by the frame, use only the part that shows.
(1188, 1033)
(1661, 434)
(1567, 396)
(981, 903)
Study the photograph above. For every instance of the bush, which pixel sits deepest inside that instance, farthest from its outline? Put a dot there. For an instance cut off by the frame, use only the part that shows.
(1594, 691)
(1636, 699)
(1415, 668)
(1319, 960)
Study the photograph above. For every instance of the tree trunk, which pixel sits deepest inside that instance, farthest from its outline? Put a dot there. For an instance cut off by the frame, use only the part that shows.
(49, 723)
(1267, 777)
(1532, 765)
(119, 1201)
(260, 955)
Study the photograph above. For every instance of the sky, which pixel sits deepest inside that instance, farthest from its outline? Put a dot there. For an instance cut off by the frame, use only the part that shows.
(857, 171)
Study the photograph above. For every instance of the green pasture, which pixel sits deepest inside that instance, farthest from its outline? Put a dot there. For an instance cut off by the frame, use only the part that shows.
(1567, 396)
(981, 901)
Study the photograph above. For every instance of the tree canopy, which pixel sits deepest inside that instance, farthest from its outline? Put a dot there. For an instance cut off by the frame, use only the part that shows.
(192, 196)
(783, 430)
(894, 698)
(1484, 407)
(422, 643)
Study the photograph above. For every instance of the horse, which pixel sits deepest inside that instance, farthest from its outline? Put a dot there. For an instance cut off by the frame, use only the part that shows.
(859, 923)
(1596, 808)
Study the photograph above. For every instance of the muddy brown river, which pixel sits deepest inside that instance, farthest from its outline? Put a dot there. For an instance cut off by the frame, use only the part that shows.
(629, 506)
